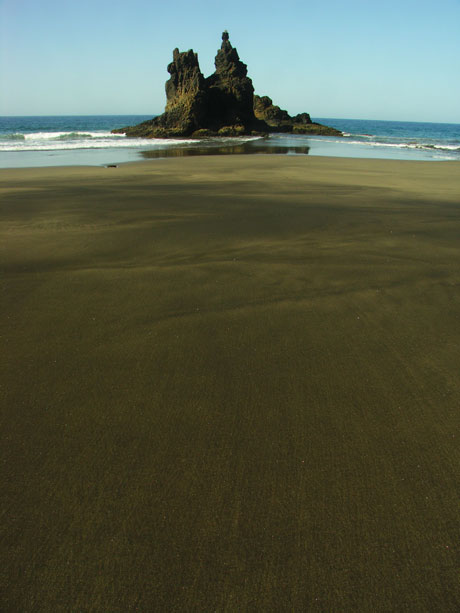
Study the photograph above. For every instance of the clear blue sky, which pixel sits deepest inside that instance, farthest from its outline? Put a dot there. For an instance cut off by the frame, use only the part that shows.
(398, 59)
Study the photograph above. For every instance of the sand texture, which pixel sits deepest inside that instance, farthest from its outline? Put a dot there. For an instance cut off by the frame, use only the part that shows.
(230, 384)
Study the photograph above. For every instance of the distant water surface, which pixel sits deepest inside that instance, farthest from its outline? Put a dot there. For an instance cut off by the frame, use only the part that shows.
(87, 140)
(397, 139)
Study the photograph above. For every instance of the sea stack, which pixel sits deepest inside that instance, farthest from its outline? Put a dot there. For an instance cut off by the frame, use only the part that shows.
(231, 93)
(223, 104)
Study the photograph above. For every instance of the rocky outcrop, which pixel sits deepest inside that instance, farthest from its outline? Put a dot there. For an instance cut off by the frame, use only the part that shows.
(186, 101)
(302, 119)
(223, 104)
(280, 120)
(185, 94)
(314, 128)
(265, 110)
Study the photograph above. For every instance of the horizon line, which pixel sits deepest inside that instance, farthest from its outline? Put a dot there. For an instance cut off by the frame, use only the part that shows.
(156, 115)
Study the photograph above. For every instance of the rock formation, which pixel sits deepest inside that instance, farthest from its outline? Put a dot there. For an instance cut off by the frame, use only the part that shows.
(265, 109)
(185, 94)
(223, 104)
(280, 121)
(186, 101)
(230, 91)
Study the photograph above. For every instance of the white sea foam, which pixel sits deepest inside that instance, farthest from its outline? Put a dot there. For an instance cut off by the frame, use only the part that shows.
(50, 141)
(447, 147)
(394, 145)
(46, 141)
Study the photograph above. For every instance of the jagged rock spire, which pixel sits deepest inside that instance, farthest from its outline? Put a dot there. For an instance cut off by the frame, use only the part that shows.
(230, 89)
(186, 76)
(228, 61)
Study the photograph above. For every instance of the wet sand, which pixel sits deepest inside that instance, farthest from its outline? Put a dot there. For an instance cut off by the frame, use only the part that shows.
(230, 384)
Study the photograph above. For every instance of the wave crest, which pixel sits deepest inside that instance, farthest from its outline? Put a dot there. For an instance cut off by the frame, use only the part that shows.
(13, 136)
(74, 135)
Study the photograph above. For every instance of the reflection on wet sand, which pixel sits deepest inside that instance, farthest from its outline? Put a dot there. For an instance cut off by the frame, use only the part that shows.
(213, 149)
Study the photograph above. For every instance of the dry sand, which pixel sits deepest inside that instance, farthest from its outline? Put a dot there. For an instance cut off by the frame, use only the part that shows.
(230, 384)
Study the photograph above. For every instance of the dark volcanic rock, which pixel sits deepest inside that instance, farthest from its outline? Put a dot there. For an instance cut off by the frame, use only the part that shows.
(315, 128)
(231, 92)
(265, 110)
(302, 118)
(281, 121)
(186, 97)
(186, 77)
(224, 104)
(186, 101)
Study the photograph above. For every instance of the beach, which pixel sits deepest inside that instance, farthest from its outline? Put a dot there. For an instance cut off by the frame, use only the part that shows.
(230, 383)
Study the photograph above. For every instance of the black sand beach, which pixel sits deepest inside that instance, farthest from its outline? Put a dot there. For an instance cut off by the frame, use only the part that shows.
(230, 384)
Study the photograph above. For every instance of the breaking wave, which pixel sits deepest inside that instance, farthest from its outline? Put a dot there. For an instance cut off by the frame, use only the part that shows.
(48, 141)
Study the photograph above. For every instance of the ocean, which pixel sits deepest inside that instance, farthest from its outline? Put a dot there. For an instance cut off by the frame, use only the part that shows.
(87, 140)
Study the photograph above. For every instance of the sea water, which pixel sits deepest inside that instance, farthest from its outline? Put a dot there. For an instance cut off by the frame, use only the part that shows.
(87, 140)
(396, 139)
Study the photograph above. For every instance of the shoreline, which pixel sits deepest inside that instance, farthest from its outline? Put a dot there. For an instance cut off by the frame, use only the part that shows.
(178, 159)
(88, 140)
(196, 151)
(230, 381)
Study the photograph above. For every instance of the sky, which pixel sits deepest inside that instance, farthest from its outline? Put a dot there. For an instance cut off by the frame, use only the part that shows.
(393, 60)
